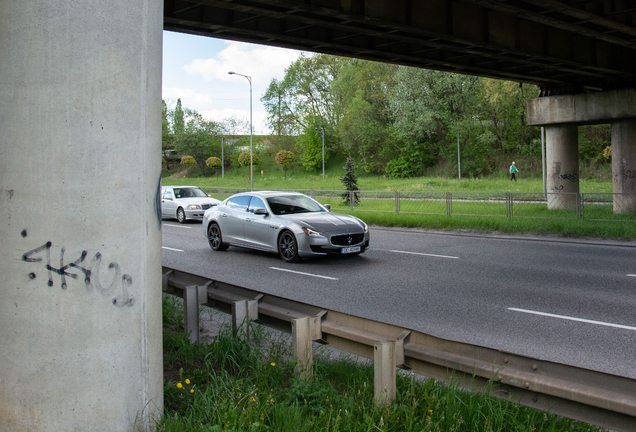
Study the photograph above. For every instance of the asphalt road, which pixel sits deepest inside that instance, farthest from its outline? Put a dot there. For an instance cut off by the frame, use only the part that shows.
(566, 301)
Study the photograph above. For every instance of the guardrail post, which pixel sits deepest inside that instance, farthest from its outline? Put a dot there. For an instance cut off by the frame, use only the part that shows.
(243, 312)
(164, 281)
(302, 348)
(191, 312)
(220, 195)
(351, 200)
(449, 203)
(397, 202)
(579, 205)
(509, 206)
(384, 371)
(582, 206)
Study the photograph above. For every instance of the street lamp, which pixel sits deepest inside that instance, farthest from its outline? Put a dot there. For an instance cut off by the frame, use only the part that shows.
(251, 128)
(459, 166)
(222, 162)
(322, 132)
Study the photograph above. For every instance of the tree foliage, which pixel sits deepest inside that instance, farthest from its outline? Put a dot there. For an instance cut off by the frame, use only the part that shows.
(188, 161)
(284, 158)
(350, 180)
(244, 159)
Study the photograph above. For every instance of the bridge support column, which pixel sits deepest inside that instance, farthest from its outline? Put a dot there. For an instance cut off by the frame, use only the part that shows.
(80, 222)
(562, 155)
(624, 165)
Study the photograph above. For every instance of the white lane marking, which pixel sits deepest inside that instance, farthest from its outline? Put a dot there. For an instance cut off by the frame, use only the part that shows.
(177, 226)
(304, 274)
(573, 319)
(172, 249)
(422, 254)
(632, 275)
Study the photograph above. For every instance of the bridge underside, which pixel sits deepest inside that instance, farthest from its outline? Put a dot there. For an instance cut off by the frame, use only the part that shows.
(564, 46)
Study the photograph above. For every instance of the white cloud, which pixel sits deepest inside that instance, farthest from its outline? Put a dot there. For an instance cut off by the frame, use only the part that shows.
(262, 63)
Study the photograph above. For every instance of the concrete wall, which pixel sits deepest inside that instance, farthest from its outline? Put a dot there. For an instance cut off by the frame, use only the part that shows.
(80, 262)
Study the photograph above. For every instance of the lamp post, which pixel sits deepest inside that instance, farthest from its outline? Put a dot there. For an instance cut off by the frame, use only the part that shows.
(222, 162)
(459, 166)
(251, 128)
(322, 132)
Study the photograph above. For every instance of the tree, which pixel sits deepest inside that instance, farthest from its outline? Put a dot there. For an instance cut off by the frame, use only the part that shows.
(365, 129)
(178, 122)
(167, 138)
(285, 159)
(188, 161)
(351, 183)
(198, 138)
(214, 163)
(244, 159)
(311, 145)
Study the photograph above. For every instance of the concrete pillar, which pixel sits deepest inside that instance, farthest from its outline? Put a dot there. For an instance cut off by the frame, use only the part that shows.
(80, 227)
(384, 379)
(302, 347)
(624, 165)
(562, 154)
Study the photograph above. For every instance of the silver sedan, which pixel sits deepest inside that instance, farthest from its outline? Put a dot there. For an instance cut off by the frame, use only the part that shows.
(185, 202)
(291, 224)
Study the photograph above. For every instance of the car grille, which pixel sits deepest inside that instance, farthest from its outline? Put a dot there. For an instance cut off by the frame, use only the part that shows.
(347, 239)
(206, 206)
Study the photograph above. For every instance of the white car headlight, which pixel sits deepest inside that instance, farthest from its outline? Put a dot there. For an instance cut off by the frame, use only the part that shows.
(194, 207)
(312, 233)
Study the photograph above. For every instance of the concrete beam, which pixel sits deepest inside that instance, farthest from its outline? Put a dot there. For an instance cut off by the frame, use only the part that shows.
(80, 222)
(581, 109)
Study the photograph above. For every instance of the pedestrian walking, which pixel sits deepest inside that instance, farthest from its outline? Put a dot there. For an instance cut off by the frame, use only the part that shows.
(513, 172)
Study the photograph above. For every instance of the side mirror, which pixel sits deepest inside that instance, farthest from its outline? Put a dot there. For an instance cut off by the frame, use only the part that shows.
(327, 206)
(260, 211)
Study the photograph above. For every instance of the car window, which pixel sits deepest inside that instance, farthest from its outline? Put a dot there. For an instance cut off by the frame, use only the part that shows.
(256, 203)
(167, 193)
(189, 193)
(239, 203)
(291, 204)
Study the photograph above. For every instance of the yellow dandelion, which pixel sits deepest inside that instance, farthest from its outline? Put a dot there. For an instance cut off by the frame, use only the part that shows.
(254, 399)
(271, 400)
(191, 390)
(273, 364)
(179, 385)
(187, 381)
(430, 411)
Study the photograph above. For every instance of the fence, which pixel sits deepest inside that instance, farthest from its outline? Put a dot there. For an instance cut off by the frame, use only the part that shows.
(594, 397)
(589, 206)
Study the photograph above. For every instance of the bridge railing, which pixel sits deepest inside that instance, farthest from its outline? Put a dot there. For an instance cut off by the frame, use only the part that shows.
(591, 206)
(594, 397)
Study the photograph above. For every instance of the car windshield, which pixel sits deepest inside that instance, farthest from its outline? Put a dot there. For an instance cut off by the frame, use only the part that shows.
(189, 193)
(292, 204)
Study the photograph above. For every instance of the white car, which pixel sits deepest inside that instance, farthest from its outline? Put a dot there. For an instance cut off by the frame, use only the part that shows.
(185, 202)
(291, 224)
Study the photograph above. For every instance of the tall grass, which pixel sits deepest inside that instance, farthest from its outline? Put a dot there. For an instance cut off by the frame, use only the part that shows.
(236, 384)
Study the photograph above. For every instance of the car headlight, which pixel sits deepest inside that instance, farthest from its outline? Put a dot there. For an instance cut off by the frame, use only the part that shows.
(312, 233)
(365, 227)
(194, 207)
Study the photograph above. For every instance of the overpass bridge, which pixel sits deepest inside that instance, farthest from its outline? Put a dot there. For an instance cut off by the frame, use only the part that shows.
(80, 176)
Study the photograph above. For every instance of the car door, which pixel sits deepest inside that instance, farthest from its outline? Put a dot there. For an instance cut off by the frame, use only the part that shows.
(232, 219)
(167, 203)
(259, 230)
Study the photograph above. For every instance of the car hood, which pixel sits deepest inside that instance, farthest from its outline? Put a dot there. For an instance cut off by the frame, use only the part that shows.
(328, 222)
(197, 200)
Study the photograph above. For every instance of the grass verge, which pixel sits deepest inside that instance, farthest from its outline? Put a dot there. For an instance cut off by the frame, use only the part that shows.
(233, 384)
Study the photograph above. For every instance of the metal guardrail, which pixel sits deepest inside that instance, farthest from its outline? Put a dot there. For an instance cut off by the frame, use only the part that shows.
(593, 397)
(590, 206)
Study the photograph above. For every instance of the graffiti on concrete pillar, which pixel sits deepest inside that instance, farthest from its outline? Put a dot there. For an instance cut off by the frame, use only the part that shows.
(80, 266)
(627, 174)
(557, 188)
(571, 177)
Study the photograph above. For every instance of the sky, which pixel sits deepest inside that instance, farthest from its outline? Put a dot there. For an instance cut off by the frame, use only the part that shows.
(195, 70)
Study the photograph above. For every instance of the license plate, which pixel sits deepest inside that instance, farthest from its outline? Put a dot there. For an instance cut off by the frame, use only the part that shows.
(352, 249)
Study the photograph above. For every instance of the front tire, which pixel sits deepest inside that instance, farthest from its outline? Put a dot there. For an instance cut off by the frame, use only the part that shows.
(215, 239)
(288, 247)
(181, 216)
